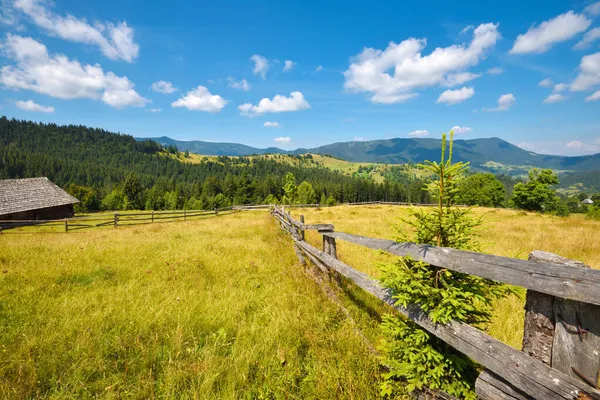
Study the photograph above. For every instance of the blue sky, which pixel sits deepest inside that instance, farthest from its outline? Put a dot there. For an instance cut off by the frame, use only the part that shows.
(307, 73)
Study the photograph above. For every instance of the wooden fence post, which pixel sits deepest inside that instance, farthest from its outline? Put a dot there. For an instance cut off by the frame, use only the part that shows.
(563, 334)
(152, 215)
(66, 225)
(302, 232)
(329, 245)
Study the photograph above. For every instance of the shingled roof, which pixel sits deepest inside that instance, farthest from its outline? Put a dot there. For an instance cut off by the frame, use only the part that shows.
(17, 195)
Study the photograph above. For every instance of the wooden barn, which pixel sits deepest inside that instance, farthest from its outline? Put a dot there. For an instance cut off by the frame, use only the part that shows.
(34, 199)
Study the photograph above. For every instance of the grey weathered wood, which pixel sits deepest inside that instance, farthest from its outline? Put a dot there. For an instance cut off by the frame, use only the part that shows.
(300, 256)
(538, 332)
(116, 220)
(302, 230)
(550, 278)
(524, 372)
(66, 225)
(490, 386)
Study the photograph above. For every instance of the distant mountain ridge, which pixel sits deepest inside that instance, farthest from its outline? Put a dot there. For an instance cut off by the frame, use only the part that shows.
(402, 150)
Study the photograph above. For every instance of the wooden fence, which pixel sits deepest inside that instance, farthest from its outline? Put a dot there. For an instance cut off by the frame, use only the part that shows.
(115, 220)
(561, 345)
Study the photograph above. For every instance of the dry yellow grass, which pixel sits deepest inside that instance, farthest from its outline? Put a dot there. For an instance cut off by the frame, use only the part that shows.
(506, 232)
(215, 308)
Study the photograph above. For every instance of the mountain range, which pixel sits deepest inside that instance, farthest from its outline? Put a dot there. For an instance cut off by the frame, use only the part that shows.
(484, 154)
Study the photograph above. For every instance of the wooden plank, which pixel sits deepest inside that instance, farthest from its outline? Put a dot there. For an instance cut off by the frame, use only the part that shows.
(550, 278)
(490, 386)
(529, 375)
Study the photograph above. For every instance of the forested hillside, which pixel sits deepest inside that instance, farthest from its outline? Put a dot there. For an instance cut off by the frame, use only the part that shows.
(116, 171)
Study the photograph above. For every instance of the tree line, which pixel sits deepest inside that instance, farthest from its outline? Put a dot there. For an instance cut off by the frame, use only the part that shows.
(114, 171)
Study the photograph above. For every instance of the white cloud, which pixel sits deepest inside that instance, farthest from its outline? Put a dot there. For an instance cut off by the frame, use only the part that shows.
(504, 103)
(554, 98)
(289, 65)
(575, 144)
(279, 103)
(319, 68)
(495, 71)
(271, 124)
(360, 139)
(261, 65)
(282, 140)
(242, 85)
(451, 97)
(559, 29)
(154, 110)
(394, 74)
(593, 97)
(459, 78)
(29, 105)
(590, 37)
(593, 9)
(467, 29)
(589, 73)
(459, 130)
(200, 99)
(546, 83)
(57, 76)
(114, 40)
(559, 87)
(163, 87)
(419, 133)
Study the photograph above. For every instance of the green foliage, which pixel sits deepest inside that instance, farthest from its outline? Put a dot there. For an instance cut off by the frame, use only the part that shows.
(306, 194)
(289, 189)
(133, 191)
(481, 189)
(323, 200)
(415, 357)
(422, 361)
(87, 196)
(593, 212)
(536, 195)
(115, 200)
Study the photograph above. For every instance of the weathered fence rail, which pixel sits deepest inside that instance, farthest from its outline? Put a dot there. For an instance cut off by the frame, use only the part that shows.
(117, 219)
(573, 295)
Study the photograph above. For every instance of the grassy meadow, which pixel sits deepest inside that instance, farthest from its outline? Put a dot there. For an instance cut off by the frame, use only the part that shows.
(215, 308)
(505, 232)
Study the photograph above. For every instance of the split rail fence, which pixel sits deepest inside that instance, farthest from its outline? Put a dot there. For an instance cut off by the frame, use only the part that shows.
(115, 220)
(560, 358)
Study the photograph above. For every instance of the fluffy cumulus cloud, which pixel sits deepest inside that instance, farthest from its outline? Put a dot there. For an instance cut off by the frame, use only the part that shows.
(539, 39)
(163, 87)
(241, 85)
(460, 130)
(589, 73)
(451, 97)
(288, 65)
(546, 83)
(57, 76)
(394, 74)
(593, 97)
(29, 105)
(279, 103)
(261, 65)
(419, 133)
(554, 98)
(283, 140)
(590, 37)
(271, 124)
(504, 103)
(559, 87)
(154, 110)
(115, 40)
(200, 99)
(593, 9)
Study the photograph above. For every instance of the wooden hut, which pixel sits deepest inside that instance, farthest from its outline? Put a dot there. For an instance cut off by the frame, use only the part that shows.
(34, 199)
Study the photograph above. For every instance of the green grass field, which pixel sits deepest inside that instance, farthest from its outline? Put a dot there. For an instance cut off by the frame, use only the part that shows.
(507, 233)
(216, 308)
